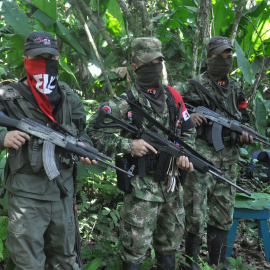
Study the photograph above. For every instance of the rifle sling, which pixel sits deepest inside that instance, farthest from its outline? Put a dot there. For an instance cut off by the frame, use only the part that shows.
(33, 101)
(25, 94)
(204, 90)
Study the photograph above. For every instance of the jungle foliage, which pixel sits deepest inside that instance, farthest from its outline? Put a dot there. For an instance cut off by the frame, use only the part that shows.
(94, 38)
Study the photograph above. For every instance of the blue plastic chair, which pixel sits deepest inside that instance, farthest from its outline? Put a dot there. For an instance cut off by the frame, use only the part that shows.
(261, 216)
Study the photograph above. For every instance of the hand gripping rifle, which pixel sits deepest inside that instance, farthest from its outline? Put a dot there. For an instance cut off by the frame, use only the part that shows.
(218, 122)
(51, 138)
(199, 162)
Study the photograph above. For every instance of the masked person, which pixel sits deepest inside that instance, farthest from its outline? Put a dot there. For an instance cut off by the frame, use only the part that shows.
(41, 227)
(150, 213)
(203, 191)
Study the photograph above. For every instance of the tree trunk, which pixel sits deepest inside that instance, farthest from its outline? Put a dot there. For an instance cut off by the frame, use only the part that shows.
(93, 45)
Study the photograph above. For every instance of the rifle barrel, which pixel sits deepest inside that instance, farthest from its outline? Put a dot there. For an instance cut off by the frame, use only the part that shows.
(229, 182)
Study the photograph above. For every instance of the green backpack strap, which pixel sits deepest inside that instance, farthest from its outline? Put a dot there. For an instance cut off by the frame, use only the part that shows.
(12, 93)
(67, 107)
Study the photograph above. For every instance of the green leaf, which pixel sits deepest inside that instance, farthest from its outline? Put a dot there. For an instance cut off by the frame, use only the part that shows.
(65, 67)
(41, 16)
(95, 264)
(261, 113)
(256, 10)
(69, 37)
(2, 71)
(223, 14)
(1, 250)
(112, 24)
(3, 228)
(85, 170)
(112, 214)
(15, 17)
(105, 212)
(238, 261)
(114, 9)
(47, 6)
(244, 64)
(258, 201)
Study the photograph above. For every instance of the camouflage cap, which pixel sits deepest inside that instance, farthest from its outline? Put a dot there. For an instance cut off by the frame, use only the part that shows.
(146, 49)
(217, 45)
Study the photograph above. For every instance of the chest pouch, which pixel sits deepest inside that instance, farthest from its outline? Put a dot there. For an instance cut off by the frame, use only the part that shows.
(123, 180)
(162, 166)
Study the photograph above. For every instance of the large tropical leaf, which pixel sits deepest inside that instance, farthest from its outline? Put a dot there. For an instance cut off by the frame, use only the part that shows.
(257, 9)
(244, 64)
(41, 16)
(69, 37)
(223, 15)
(65, 67)
(261, 113)
(47, 6)
(257, 201)
(15, 17)
(114, 9)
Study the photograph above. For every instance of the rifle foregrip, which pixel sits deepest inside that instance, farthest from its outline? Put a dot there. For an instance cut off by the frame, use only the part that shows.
(77, 150)
(198, 165)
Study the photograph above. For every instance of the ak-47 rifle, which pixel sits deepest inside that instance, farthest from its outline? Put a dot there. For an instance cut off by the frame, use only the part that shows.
(51, 138)
(218, 122)
(199, 162)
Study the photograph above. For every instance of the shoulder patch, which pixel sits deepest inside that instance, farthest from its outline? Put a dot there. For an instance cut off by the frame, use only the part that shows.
(130, 113)
(107, 108)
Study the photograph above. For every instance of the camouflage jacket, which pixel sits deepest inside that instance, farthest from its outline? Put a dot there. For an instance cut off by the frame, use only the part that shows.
(235, 103)
(26, 176)
(113, 141)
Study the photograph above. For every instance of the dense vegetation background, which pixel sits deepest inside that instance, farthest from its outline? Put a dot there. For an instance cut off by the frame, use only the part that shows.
(94, 38)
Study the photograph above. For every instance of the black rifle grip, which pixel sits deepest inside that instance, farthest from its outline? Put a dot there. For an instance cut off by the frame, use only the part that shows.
(100, 119)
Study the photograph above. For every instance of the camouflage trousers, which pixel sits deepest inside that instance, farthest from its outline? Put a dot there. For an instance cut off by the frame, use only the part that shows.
(145, 222)
(41, 232)
(207, 199)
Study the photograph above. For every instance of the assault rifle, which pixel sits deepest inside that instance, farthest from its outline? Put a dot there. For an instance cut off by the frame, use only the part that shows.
(199, 162)
(51, 138)
(218, 122)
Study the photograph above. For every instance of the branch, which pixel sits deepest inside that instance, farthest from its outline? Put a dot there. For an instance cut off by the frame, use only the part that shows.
(146, 22)
(206, 29)
(127, 15)
(93, 45)
(96, 21)
(202, 16)
(263, 70)
(237, 18)
(252, 90)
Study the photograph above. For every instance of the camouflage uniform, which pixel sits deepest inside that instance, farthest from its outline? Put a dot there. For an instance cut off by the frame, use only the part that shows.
(202, 191)
(205, 194)
(149, 212)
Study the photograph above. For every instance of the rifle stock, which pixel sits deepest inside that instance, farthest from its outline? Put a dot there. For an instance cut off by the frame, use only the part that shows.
(162, 144)
(67, 142)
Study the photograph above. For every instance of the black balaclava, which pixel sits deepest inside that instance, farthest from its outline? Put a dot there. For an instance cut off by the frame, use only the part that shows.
(148, 82)
(218, 69)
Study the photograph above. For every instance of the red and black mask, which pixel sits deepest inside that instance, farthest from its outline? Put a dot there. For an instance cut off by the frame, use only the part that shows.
(42, 79)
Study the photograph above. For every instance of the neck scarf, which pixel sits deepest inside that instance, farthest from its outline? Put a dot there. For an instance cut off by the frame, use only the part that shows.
(42, 79)
(148, 82)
